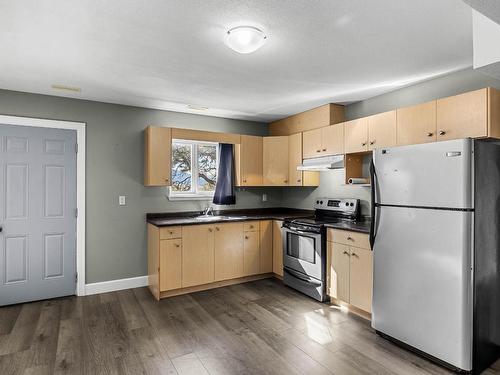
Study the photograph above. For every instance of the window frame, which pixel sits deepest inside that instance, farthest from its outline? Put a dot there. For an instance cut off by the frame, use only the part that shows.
(194, 194)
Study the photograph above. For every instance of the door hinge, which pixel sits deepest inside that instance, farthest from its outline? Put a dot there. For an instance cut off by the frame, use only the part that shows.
(76, 212)
(76, 148)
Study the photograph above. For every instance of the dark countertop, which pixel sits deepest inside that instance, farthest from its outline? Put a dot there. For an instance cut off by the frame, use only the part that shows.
(279, 213)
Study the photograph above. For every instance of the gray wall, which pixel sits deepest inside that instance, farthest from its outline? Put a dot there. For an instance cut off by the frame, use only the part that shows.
(116, 235)
(331, 182)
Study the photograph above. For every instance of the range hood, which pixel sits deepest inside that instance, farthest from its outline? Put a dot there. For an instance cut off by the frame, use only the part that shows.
(322, 163)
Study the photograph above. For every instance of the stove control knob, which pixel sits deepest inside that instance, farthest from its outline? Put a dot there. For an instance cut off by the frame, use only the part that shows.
(321, 202)
(347, 204)
(317, 202)
(352, 204)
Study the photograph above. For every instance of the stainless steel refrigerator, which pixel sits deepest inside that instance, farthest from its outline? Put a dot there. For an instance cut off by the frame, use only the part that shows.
(436, 239)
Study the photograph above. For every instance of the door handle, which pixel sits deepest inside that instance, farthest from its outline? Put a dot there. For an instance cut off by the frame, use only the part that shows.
(1, 228)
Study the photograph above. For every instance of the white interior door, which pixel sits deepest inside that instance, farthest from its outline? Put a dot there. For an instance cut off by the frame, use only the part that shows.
(37, 213)
(429, 175)
(422, 280)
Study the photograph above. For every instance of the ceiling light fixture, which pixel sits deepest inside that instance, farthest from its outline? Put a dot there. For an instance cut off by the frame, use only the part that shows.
(197, 107)
(245, 39)
(66, 88)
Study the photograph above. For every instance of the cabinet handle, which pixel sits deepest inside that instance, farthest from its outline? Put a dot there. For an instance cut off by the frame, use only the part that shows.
(324, 149)
(430, 134)
(246, 237)
(244, 180)
(442, 132)
(318, 150)
(363, 144)
(346, 253)
(166, 180)
(298, 180)
(177, 245)
(210, 230)
(372, 143)
(285, 181)
(171, 232)
(354, 254)
(350, 238)
(217, 229)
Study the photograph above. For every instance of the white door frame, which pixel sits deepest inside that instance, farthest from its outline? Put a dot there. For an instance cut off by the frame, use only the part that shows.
(80, 181)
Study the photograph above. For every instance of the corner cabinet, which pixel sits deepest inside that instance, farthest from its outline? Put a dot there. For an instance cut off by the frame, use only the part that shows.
(157, 156)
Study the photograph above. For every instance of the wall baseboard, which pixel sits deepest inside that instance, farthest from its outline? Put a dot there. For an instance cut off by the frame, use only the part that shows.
(113, 285)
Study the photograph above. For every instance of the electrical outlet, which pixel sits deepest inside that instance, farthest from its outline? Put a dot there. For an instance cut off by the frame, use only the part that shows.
(264, 197)
(122, 200)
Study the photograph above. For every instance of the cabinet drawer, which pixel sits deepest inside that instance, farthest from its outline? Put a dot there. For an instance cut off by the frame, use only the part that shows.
(356, 239)
(167, 233)
(251, 226)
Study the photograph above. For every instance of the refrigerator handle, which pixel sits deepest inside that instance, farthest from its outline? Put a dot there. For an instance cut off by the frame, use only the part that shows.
(373, 176)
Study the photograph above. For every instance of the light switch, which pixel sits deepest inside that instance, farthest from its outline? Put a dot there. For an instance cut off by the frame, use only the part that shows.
(122, 200)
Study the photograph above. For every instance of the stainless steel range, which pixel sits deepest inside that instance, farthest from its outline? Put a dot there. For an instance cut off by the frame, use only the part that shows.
(304, 245)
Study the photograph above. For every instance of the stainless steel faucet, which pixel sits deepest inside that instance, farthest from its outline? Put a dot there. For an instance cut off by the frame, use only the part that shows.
(208, 210)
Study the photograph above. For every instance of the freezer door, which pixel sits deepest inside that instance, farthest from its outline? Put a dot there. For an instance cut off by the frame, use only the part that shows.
(430, 175)
(423, 281)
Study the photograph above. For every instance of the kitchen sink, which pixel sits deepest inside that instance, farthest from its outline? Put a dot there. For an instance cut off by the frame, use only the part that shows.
(218, 218)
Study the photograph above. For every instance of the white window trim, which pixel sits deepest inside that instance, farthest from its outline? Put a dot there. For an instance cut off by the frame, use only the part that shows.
(79, 127)
(193, 196)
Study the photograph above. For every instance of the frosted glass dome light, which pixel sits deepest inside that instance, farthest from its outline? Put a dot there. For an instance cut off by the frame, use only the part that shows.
(245, 39)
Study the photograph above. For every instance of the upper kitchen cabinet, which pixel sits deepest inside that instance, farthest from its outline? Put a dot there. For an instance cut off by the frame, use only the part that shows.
(356, 135)
(248, 155)
(315, 118)
(275, 161)
(157, 156)
(382, 130)
(416, 124)
(328, 140)
(473, 114)
(295, 177)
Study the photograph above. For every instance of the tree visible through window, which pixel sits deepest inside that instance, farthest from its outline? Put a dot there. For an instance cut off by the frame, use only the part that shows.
(194, 168)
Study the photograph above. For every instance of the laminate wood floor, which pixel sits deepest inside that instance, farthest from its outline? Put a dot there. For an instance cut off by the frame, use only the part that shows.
(260, 327)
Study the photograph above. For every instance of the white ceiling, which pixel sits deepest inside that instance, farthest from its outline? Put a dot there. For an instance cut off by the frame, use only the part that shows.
(169, 53)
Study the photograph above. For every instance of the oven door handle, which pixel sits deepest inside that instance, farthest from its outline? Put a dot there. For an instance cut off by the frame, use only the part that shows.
(296, 230)
(299, 276)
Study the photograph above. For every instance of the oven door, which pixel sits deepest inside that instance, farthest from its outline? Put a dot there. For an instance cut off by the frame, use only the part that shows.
(303, 252)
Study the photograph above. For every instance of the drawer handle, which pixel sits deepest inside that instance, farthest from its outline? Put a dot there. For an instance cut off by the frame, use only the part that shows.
(298, 180)
(372, 143)
(324, 149)
(354, 254)
(171, 232)
(246, 237)
(442, 132)
(217, 229)
(350, 238)
(210, 230)
(430, 134)
(363, 144)
(244, 180)
(318, 150)
(346, 253)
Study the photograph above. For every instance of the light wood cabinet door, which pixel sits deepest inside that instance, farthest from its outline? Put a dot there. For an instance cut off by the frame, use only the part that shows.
(332, 139)
(251, 253)
(294, 159)
(338, 271)
(170, 264)
(356, 135)
(416, 124)
(275, 168)
(311, 143)
(250, 160)
(197, 255)
(277, 248)
(463, 116)
(157, 156)
(361, 278)
(382, 130)
(228, 251)
(266, 246)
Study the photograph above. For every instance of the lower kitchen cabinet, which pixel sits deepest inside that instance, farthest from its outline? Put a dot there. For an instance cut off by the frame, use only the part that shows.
(197, 255)
(277, 248)
(170, 264)
(251, 253)
(183, 259)
(228, 251)
(350, 269)
(266, 246)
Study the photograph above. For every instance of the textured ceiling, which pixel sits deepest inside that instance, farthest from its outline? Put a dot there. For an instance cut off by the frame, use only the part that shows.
(169, 53)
